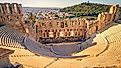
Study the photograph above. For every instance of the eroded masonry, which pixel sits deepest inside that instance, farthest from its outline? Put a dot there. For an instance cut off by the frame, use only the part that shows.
(59, 30)
(73, 29)
(11, 14)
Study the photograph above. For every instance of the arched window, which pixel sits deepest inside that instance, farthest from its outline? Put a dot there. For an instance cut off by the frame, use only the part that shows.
(67, 29)
(44, 34)
(52, 30)
(65, 33)
(70, 29)
(62, 24)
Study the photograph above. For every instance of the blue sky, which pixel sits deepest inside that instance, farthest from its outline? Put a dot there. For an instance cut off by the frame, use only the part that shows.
(58, 3)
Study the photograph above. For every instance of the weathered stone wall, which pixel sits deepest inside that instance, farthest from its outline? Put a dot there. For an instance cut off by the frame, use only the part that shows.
(108, 17)
(11, 14)
(75, 27)
(61, 28)
(104, 19)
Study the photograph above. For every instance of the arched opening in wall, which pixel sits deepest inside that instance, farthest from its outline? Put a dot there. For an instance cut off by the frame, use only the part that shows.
(54, 34)
(80, 29)
(58, 24)
(67, 29)
(72, 23)
(65, 33)
(19, 11)
(47, 34)
(44, 35)
(66, 25)
(70, 29)
(7, 16)
(96, 28)
(78, 34)
(79, 23)
(36, 29)
(45, 30)
(8, 8)
(2, 9)
(114, 17)
(69, 34)
(52, 30)
(17, 17)
(62, 24)
(114, 9)
(75, 33)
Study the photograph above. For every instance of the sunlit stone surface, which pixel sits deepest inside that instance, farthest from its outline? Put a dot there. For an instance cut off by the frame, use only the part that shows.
(102, 49)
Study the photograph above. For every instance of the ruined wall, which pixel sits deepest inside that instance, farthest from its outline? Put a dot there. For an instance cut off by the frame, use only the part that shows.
(11, 14)
(61, 28)
(75, 27)
(106, 18)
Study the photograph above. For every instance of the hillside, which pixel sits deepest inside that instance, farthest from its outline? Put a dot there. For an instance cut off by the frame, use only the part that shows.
(86, 9)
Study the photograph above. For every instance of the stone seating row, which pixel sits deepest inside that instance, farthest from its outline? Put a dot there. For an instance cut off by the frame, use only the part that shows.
(95, 49)
(10, 38)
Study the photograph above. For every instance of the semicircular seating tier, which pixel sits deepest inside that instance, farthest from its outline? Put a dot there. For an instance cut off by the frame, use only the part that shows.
(105, 53)
(11, 38)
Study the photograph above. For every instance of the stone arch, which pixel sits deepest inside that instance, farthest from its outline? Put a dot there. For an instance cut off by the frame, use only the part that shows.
(19, 8)
(14, 8)
(62, 24)
(6, 7)
(97, 28)
(2, 8)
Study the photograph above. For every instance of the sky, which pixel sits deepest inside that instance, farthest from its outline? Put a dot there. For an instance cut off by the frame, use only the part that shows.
(58, 3)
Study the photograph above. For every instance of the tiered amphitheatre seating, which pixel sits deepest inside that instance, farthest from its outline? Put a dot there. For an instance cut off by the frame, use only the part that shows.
(115, 41)
(112, 56)
(29, 59)
(114, 29)
(10, 38)
(96, 49)
(107, 51)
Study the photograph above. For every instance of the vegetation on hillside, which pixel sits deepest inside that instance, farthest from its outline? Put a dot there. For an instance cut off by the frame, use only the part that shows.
(86, 9)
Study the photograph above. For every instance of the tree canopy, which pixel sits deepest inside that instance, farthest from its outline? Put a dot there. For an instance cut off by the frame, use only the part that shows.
(86, 9)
